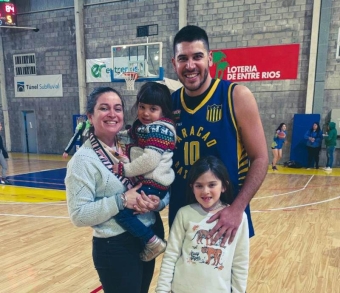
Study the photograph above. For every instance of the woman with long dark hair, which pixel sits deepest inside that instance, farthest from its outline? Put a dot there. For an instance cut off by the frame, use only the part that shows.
(314, 139)
(95, 195)
(277, 144)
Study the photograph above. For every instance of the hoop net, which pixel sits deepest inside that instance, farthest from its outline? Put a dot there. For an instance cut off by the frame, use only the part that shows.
(130, 78)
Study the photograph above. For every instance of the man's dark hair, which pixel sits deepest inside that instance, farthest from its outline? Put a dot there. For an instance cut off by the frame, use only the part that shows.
(191, 33)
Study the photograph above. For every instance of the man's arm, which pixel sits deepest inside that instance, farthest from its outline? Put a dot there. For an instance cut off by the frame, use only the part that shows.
(251, 130)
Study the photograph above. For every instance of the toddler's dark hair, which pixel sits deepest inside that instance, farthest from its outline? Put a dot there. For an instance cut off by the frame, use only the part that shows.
(154, 93)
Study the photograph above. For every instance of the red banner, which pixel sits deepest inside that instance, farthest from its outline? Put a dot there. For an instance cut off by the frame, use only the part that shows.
(256, 63)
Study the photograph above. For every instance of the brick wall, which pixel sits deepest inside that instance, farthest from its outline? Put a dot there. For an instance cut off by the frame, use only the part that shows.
(229, 24)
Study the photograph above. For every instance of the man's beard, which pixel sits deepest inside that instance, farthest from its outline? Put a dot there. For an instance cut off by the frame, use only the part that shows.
(193, 88)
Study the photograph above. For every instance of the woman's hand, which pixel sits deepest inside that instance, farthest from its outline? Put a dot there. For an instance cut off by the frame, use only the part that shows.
(146, 203)
(132, 195)
(140, 202)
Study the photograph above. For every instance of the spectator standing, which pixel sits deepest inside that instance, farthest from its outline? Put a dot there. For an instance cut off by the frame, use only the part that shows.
(330, 141)
(314, 138)
(277, 144)
(3, 161)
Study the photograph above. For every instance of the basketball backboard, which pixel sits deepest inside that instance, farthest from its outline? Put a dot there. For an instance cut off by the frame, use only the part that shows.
(172, 84)
(144, 59)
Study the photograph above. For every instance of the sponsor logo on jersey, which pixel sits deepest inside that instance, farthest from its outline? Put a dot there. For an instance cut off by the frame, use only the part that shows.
(177, 114)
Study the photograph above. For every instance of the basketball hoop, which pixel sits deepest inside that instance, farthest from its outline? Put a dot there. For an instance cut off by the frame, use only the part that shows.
(130, 78)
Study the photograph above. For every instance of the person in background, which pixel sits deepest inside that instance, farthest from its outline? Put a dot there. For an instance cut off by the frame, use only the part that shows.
(192, 263)
(277, 144)
(95, 195)
(80, 133)
(154, 137)
(314, 139)
(330, 141)
(3, 161)
(215, 117)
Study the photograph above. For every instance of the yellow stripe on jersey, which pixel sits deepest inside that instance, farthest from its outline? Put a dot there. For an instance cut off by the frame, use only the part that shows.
(242, 157)
(206, 99)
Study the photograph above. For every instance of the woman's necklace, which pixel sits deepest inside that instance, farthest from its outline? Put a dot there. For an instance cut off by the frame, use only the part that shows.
(217, 205)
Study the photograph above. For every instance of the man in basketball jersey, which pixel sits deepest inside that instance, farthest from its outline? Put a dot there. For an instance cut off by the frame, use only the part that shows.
(215, 117)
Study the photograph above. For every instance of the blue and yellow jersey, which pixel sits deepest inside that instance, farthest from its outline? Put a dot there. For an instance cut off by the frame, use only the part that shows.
(209, 129)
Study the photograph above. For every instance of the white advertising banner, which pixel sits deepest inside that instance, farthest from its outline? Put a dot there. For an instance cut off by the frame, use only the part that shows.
(98, 70)
(38, 86)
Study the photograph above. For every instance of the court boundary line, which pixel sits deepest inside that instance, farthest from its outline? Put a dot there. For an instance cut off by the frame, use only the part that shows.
(165, 217)
(33, 203)
(32, 216)
(32, 172)
(290, 192)
(36, 171)
(297, 206)
(20, 186)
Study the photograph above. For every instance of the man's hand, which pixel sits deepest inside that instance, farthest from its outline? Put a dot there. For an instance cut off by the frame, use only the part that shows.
(65, 155)
(146, 203)
(229, 219)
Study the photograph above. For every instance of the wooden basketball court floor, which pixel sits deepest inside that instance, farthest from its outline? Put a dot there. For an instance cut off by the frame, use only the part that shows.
(296, 215)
